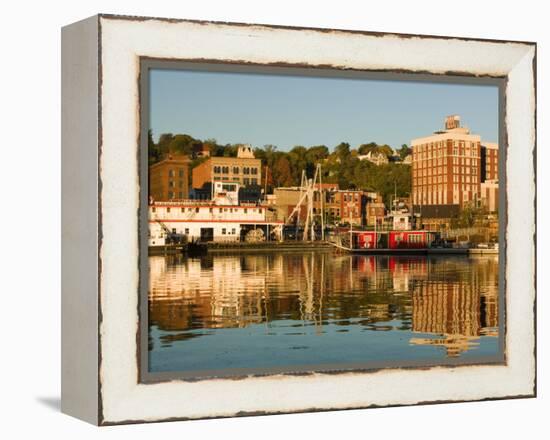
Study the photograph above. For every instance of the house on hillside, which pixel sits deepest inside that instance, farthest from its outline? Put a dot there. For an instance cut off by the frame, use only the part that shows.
(375, 157)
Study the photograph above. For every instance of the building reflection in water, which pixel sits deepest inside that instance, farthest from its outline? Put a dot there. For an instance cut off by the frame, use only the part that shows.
(445, 301)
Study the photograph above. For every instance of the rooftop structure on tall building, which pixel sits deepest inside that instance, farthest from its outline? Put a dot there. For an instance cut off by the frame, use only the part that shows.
(169, 178)
(244, 169)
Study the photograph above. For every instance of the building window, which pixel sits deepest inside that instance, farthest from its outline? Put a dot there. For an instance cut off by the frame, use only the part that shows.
(197, 210)
(224, 231)
(254, 181)
(233, 231)
(154, 209)
(186, 231)
(210, 209)
(171, 173)
(182, 209)
(225, 170)
(254, 170)
(170, 194)
(246, 180)
(235, 170)
(180, 194)
(167, 209)
(181, 172)
(246, 170)
(171, 184)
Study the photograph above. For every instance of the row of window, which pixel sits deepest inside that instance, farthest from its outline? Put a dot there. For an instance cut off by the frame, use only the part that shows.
(172, 173)
(415, 238)
(444, 161)
(442, 152)
(351, 197)
(172, 194)
(197, 209)
(441, 188)
(235, 170)
(225, 231)
(443, 179)
(440, 170)
(172, 184)
(246, 180)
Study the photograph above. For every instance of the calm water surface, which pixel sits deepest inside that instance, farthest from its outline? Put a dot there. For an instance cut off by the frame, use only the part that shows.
(293, 309)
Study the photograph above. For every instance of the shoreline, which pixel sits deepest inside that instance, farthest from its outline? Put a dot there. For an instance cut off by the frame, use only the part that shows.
(219, 248)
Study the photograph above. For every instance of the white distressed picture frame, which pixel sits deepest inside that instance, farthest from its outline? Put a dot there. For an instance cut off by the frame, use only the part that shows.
(100, 266)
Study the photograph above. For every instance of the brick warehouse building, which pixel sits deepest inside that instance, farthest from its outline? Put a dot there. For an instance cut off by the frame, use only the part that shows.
(338, 205)
(169, 178)
(244, 169)
(449, 167)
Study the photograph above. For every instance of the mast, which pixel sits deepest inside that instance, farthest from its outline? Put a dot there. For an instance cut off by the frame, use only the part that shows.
(321, 195)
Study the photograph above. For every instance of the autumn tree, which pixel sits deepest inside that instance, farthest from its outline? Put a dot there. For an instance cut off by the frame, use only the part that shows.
(282, 175)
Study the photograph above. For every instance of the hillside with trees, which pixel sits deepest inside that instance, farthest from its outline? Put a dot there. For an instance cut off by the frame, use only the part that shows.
(284, 168)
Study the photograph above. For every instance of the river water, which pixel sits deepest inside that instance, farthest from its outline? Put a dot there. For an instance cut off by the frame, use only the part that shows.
(292, 310)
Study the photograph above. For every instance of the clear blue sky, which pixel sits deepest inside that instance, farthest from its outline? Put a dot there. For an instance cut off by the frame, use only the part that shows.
(286, 111)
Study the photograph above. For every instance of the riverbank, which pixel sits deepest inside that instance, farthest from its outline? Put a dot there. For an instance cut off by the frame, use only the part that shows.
(298, 246)
(267, 246)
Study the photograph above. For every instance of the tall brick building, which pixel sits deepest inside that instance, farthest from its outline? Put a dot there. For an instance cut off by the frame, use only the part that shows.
(489, 161)
(489, 175)
(244, 169)
(449, 166)
(169, 178)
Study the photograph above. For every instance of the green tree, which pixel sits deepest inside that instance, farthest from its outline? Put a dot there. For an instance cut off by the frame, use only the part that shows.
(342, 151)
(404, 151)
(298, 162)
(152, 148)
(317, 153)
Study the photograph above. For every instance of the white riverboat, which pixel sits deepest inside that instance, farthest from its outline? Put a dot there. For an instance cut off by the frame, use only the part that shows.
(221, 219)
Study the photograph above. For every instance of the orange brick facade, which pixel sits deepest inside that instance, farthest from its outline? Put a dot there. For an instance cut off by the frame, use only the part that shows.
(243, 170)
(169, 178)
(446, 171)
(489, 158)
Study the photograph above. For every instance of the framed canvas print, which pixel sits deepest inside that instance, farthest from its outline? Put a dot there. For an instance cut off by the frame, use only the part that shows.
(262, 219)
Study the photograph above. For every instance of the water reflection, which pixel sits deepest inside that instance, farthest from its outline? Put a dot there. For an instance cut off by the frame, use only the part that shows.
(434, 306)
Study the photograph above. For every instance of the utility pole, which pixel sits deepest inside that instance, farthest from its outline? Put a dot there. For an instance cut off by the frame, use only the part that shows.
(265, 183)
(394, 195)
